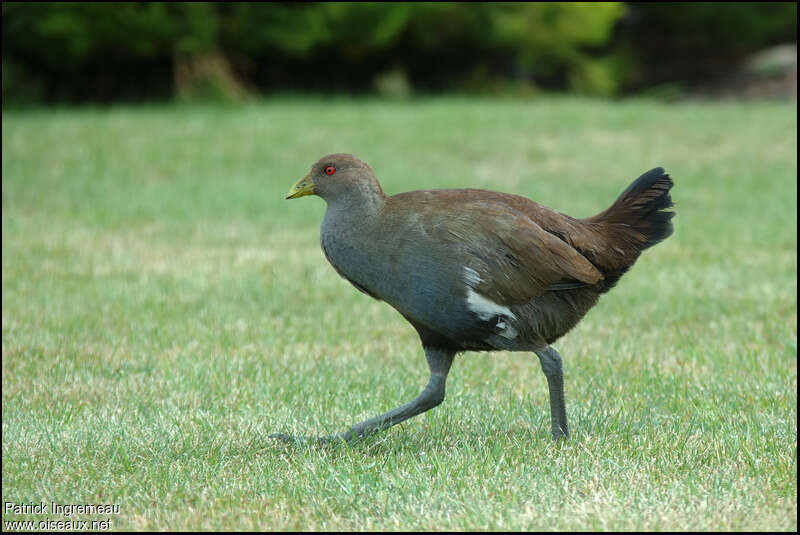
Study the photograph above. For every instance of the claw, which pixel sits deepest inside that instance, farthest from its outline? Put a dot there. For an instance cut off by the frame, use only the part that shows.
(283, 437)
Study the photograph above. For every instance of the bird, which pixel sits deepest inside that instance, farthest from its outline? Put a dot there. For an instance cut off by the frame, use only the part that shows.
(478, 270)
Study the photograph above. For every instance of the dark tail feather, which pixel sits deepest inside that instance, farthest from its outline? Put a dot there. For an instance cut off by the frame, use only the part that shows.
(637, 220)
(638, 215)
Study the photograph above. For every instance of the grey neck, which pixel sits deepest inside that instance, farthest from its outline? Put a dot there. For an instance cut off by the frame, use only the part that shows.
(353, 211)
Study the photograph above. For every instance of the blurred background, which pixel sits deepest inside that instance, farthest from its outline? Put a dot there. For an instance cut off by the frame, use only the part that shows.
(97, 52)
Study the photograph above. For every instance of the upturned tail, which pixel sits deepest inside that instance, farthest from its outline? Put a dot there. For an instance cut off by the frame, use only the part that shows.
(638, 219)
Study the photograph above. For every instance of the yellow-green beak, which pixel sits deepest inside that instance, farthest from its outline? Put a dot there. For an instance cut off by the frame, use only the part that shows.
(303, 187)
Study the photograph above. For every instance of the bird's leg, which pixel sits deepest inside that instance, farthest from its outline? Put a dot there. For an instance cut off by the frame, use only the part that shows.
(551, 366)
(432, 395)
(439, 362)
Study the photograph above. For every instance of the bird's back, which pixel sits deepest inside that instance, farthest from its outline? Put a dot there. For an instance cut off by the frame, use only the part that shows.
(523, 255)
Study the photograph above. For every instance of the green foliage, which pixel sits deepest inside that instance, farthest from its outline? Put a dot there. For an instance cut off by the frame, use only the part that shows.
(74, 47)
(551, 36)
(79, 51)
(65, 35)
(322, 45)
(734, 26)
(700, 41)
(19, 86)
(301, 30)
(432, 41)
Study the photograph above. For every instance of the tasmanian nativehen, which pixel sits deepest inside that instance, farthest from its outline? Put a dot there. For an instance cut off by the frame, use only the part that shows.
(477, 270)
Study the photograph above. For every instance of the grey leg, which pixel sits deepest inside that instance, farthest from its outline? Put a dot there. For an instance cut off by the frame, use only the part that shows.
(439, 362)
(551, 366)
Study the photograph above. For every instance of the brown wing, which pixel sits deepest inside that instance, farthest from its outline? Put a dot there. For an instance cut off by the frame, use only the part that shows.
(514, 258)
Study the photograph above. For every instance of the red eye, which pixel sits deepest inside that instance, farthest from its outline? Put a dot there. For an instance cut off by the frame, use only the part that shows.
(330, 170)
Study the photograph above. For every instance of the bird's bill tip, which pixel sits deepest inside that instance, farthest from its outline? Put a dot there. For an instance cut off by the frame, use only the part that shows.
(303, 187)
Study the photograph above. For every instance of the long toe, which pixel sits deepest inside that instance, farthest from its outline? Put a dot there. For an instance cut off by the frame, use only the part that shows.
(283, 437)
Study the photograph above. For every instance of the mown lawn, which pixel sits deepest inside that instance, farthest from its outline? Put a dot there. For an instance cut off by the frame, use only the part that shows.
(164, 310)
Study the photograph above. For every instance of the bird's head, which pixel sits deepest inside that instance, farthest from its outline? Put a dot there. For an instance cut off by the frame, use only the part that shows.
(338, 176)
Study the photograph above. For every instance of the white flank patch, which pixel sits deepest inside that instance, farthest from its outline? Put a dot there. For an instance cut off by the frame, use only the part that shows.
(486, 308)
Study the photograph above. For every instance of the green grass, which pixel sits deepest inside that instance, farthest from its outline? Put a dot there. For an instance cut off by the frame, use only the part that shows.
(164, 310)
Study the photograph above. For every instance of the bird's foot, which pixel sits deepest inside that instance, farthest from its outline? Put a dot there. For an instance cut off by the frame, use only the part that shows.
(287, 439)
(290, 439)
